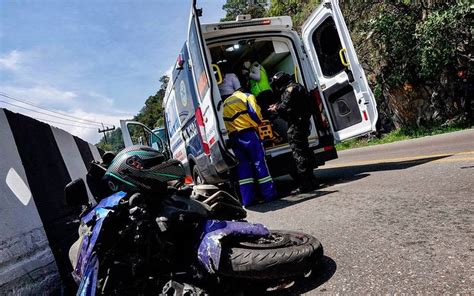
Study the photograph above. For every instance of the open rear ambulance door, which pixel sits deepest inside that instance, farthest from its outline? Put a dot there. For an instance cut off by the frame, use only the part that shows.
(346, 95)
(208, 123)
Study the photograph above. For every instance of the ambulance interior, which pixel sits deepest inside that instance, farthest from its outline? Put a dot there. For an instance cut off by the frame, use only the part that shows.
(274, 54)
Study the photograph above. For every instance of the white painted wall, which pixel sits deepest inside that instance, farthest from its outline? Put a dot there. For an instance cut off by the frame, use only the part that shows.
(26, 261)
(71, 156)
(95, 152)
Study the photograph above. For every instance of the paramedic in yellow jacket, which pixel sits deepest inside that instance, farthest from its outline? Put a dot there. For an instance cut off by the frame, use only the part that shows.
(242, 117)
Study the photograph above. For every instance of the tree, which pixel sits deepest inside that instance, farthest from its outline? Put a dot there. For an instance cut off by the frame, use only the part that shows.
(114, 141)
(150, 115)
(299, 10)
(233, 8)
(152, 112)
(415, 49)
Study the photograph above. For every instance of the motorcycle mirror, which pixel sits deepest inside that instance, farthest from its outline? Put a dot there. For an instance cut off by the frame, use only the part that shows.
(76, 193)
(107, 158)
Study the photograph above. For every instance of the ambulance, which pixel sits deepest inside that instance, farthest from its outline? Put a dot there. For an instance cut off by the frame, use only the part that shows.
(322, 59)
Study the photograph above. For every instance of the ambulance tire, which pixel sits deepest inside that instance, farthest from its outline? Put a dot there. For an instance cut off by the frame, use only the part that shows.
(197, 177)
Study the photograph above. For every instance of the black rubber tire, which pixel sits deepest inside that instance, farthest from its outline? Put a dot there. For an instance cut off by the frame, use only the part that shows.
(197, 177)
(298, 254)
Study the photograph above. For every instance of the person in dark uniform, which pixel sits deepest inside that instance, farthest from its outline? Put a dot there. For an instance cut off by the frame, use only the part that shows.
(295, 107)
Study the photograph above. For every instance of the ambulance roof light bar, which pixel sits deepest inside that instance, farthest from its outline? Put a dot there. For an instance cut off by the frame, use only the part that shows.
(245, 23)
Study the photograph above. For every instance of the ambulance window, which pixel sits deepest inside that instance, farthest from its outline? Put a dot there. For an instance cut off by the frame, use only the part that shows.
(141, 135)
(197, 62)
(327, 44)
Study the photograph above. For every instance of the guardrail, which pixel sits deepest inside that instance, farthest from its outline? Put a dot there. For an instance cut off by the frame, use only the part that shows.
(36, 227)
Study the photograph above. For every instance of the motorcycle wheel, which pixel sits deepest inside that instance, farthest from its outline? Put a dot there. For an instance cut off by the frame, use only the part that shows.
(282, 254)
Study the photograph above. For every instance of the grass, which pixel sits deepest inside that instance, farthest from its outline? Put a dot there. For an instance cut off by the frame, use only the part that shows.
(398, 135)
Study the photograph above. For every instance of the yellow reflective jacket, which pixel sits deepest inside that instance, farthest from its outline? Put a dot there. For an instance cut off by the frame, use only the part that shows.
(241, 112)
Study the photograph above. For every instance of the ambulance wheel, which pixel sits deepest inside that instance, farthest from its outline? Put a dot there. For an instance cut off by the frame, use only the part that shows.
(197, 178)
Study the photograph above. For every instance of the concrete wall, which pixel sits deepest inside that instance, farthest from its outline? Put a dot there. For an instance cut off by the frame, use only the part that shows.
(36, 226)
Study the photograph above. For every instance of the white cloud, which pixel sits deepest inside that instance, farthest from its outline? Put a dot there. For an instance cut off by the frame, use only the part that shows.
(41, 94)
(104, 100)
(74, 105)
(83, 129)
(12, 60)
(49, 96)
(92, 135)
(35, 83)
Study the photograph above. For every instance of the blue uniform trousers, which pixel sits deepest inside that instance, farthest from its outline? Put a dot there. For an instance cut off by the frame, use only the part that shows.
(252, 169)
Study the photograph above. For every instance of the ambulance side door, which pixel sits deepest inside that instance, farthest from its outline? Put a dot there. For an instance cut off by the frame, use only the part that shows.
(136, 133)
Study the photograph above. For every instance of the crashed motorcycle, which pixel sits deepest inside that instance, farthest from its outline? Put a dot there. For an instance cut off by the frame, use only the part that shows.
(150, 237)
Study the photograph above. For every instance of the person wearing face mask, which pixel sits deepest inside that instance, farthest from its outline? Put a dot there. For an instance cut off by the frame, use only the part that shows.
(259, 85)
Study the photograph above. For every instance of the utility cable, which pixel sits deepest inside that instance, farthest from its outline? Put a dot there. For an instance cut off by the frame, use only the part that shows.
(52, 121)
(52, 111)
(40, 112)
(50, 115)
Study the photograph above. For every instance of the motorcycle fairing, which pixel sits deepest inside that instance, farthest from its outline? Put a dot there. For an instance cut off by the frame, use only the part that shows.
(98, 215)
(209, 251)
(89, 279)
(107, 202)
(89, 242)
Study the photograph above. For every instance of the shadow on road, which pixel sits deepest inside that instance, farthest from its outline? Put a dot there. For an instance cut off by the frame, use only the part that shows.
(333, 176)
(325, 272)
(289, 201)
(284, 185)
(328, 177)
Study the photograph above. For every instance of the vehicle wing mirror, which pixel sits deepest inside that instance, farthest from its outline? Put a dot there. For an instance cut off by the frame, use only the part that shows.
(76, 193)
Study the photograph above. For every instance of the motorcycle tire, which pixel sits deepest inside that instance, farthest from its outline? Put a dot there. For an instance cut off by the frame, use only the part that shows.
(281, 255)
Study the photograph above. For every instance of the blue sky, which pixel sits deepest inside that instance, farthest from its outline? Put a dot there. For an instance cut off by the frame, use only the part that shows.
(95, 59)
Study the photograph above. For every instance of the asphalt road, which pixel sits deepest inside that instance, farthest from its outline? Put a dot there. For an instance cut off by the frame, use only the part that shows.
(394, 218)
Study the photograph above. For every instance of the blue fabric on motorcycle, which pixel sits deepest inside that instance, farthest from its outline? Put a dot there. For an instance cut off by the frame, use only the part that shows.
(252, 169)
(107, 202)
(98, 213)
(89, 280)
(209, 252)
(85, 257)
(212, 225)
(76, 274)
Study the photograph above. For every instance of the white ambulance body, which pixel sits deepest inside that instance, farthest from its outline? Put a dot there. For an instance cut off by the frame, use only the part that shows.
(323, 59)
